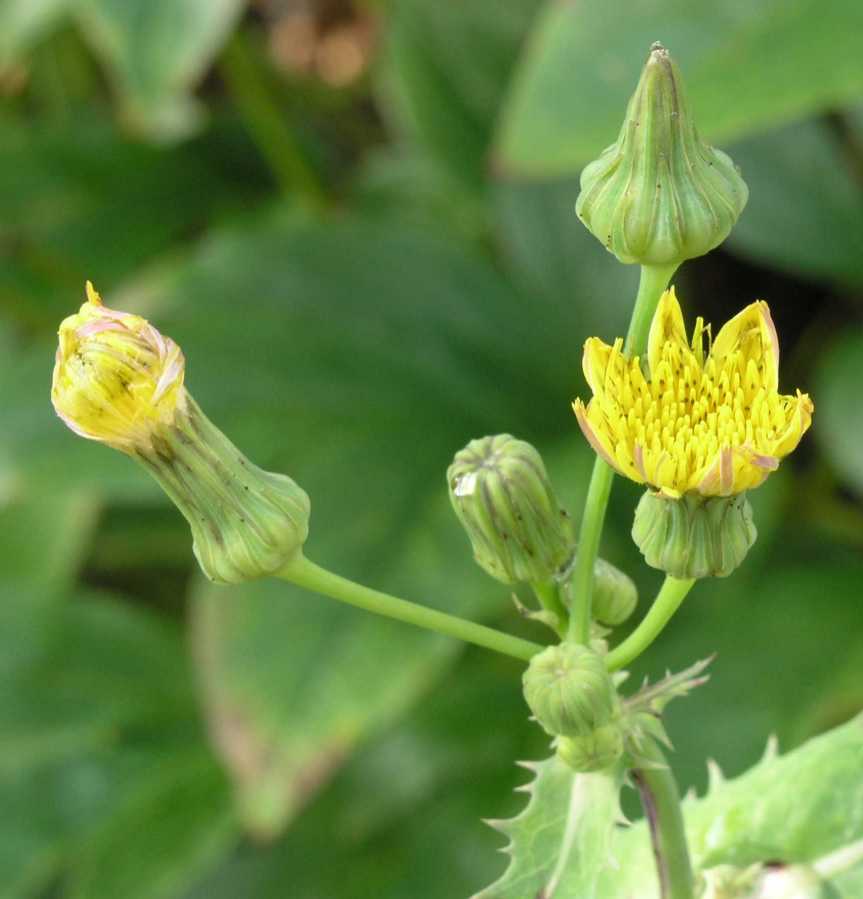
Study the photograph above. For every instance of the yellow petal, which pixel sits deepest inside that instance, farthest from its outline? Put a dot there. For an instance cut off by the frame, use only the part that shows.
(594, 362)
(752, 333)
(596, 436)
(801, 418)
(667, 326)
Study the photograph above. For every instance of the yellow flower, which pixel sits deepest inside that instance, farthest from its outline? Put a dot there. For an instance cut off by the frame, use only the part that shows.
(115, 377)
(715, 425)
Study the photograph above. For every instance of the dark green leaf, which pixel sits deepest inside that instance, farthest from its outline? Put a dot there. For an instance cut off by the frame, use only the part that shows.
(747, 68)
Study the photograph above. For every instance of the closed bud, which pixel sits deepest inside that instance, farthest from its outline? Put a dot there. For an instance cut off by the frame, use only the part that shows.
(694, 536)
(119, 381)
(502, 495)
(597, 751)
(569, 691)
(615, 595)
(660, 195)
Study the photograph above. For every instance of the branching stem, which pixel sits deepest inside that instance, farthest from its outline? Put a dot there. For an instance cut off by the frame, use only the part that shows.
(305, 573)
(667, 602)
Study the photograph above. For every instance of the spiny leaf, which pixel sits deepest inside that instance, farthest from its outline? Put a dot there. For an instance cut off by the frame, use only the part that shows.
(562, 840)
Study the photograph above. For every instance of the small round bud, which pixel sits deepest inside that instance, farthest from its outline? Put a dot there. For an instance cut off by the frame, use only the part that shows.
(502, 495)
(569, 690)
(694, 536)
(660, 195)
(597, 751)
(615, 595)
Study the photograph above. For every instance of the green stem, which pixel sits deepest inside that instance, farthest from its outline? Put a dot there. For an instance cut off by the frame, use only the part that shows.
(306, 574)
(667, 602)
(654, 280)
(265, 120)
(661, 801)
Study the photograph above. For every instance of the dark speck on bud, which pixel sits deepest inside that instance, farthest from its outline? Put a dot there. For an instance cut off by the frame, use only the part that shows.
(660, 194)
(501, 493)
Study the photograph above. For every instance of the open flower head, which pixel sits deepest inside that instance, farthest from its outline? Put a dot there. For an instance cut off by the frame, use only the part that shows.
(115, 377)
(713, 424)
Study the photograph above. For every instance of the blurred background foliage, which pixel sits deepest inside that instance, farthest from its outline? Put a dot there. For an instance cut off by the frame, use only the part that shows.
(357, 220)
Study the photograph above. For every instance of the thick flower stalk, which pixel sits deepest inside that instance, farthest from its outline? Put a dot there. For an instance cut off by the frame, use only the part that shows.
(119, 381)
(713, 424)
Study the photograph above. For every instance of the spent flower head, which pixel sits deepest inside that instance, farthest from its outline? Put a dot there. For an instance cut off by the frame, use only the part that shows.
(711, 423)
(115, 376)
(119, 381)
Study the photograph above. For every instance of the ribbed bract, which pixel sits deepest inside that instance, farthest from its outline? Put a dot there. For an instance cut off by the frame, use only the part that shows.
(660, 194)
(246, 522)
(694, 536)
(502, 495)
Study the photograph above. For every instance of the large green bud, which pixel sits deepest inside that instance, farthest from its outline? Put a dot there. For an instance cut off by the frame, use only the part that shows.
(694, 536)
(660, 195)
(569, 691)
(246, 522)
(502, 495)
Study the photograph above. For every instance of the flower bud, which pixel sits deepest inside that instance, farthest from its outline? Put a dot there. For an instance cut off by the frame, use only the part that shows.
(502, 495)
(119, 381)
(569, 691)
(694, 536)
(660, 195)
(615, 595)
(597, 751)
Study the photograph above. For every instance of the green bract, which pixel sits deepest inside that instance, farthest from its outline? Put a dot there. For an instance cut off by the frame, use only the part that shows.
(694, 536)
(246, 522)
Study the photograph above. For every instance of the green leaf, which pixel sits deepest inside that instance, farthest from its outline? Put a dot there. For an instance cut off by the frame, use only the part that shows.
(337, 357)
(562, 840)
(45, 537)
(95, 707)
(160, 837)
(156, 51)
(838, 426)
(87, 674)
(449, 65)
(23, 22)
(793, 808)
(802, 165)
(747, 68)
